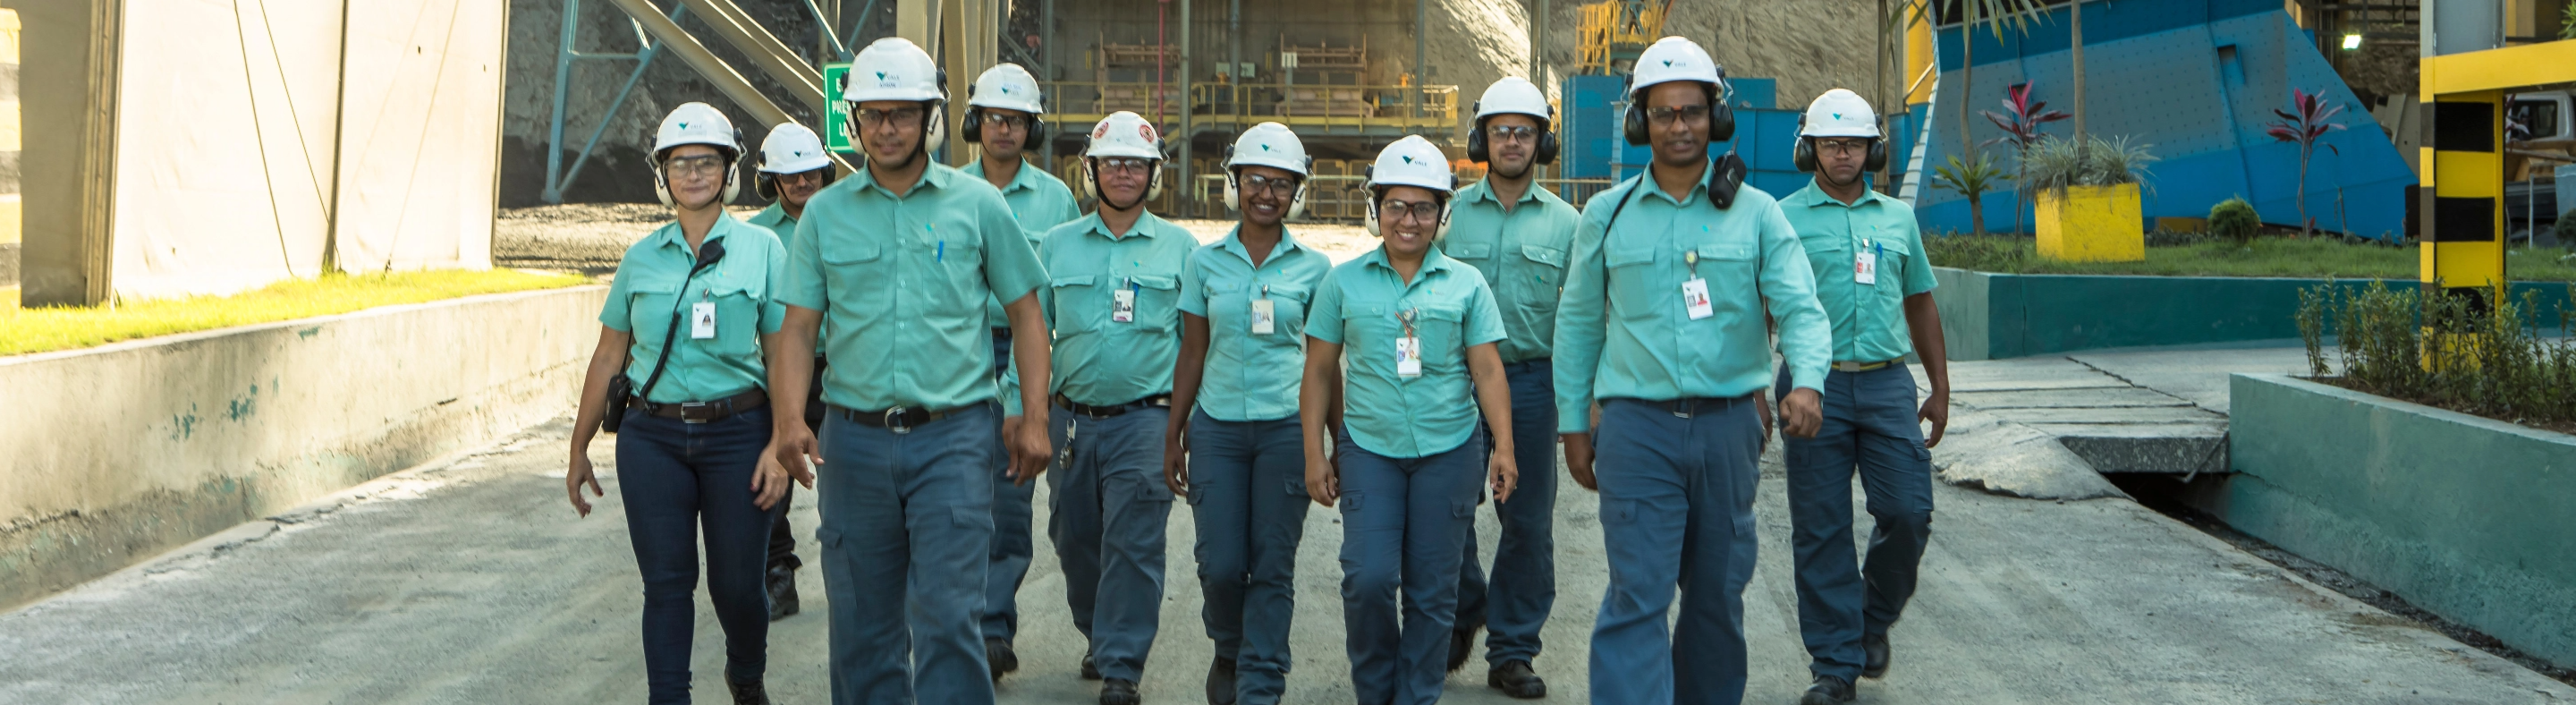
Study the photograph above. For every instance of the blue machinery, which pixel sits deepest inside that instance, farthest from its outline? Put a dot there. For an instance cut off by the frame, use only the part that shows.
(2196, 80)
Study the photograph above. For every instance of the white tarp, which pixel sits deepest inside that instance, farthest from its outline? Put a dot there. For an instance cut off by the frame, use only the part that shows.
(232, 112)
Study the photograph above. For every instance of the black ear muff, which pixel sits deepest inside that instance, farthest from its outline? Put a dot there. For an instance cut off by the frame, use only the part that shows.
(1804, 155)
(974, 129)
(765, 184)
(1476, 149)
(1632, 121)
(1546, 153)
(1877, 155)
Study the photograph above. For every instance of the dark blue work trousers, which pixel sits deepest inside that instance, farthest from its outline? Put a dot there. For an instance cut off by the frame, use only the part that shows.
(1870, 427)
(678, 479)
(1404, 534)
(1514, 604)
(1248, 498)
(1676, 512)
(907, 519)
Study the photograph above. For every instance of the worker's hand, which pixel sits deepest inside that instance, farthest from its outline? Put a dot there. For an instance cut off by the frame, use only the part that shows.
(1802, 413)
(1176, 460)
(1323, 478)
(1578, 459)
(576, 475)
(1762, 408)
(1030, 449)
(1504, 474)
(1936, 409)
(769, 481)
(792, 445)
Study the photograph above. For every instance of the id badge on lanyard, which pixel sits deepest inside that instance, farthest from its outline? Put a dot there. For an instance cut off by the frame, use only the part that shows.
(1865, 264)
(1265, 315)
(1122, 303)
(1408, 349)
(1695, 290)
(702, 320)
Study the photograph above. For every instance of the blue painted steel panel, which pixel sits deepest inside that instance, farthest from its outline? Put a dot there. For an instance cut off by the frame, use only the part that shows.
(2198, 95)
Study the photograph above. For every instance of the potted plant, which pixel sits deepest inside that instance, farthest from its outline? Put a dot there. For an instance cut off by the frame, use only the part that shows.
(2087, 198)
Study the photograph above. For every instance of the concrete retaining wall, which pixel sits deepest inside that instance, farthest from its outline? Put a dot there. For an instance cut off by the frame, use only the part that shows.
(118, 453)
(1987, 316)
(2464, 516)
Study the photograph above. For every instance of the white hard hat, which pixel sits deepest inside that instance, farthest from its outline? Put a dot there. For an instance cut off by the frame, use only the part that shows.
(1411, 161)
(1514, 95)
(1124, 134)
(1272, 145)
(893, 68)
(792, 149)
(1269, 144)
(1674, 59)
(1839, 113)
(1006, 86)
(697, 123)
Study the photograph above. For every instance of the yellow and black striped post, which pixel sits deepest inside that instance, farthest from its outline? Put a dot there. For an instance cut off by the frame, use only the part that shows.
(2462, 208)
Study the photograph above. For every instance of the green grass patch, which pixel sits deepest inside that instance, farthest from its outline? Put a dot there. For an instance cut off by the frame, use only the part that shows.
(37, 330)
(2317, 258)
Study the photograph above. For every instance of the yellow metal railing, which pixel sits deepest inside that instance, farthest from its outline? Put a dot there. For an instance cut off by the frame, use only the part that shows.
(1606, 32)
(1080, 103)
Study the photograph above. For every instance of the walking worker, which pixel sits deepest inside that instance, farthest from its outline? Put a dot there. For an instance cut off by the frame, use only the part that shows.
(1516, 235)
(899, 258)
(1002, 116)
(690, 433)
(1419, 330)
(792, 167)
(1243, 335)
(1114, 307)
(1876, 286)
(1662, 321)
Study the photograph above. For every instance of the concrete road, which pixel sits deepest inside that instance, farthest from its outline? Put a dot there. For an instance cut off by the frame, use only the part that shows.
(472, 582)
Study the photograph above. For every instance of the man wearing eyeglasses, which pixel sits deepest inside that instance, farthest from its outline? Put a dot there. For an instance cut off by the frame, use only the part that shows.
(1515, 234)
(1662, 322)
(1876, 286)
(1002, 110)
(901, 257)
(1113, 304)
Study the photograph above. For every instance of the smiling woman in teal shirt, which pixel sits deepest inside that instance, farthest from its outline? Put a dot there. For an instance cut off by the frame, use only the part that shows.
(1418, 332)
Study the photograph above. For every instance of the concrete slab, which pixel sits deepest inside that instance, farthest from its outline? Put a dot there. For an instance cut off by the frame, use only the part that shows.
(2197, 375)
(473, 582)
(2080, 398)
(2153, 415)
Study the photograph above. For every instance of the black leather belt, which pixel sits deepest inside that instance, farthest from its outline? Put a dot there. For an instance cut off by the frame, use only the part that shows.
(707, 411)
(1687, 407)
(1102, 412)
(1856, 366)
(899, 419)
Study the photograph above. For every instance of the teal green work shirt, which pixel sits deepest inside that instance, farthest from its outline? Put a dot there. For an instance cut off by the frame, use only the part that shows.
(1624, 331)
(1252, 376)
(1365, 307)
(1040, 202)
(1100, 360)
(776, 219)
(1868, 319)
(902, 281)
(653, 281)
(1521, 252)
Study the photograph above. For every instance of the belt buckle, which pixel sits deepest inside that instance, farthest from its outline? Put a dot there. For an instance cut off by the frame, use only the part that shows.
(1683, 408)
(894, 421)
(688, 407)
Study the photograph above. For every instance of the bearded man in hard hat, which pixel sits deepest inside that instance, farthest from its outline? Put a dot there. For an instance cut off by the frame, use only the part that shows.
(1516, 234)
(1876, 286)
(792, 167)
(1662, 322)
(900, 258)
(1114, 309)
(1003, 112)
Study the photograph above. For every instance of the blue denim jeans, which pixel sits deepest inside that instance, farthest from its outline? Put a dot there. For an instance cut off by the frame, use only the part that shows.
(1870, 429)
(1404, 531)
(1523, 587)
(678, 479)
(907, 519)
(1248, 497)
(1007, 562)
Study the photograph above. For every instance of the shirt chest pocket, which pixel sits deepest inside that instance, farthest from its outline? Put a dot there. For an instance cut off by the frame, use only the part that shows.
(1731, 274)
(1158, 301)
(1288, 311)
(1892, 255)
(1636, 289)
(1542, 278)
(956, 271)
(1826, 255)
(855, 271)
(648, 310)
(1443, 329)
(737, 318)
(1081, 304)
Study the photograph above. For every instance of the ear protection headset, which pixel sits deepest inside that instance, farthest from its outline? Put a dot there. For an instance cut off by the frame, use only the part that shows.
(1234, 192)
(934, 119)
(974, 129)
(1805, 153)
(1153, 187)
(1545, 154)
(1377, 194)
(732, 172)
(1721, 116)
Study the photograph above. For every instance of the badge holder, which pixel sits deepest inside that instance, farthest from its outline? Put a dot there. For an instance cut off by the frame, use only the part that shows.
(1695, 289)
(1265, 315)
(1408, 350)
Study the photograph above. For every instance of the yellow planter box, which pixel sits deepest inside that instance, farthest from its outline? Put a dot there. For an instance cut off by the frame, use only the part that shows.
(2092, 224)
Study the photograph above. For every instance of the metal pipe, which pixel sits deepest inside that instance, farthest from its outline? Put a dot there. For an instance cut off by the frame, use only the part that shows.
(764, 50)
(727, 81)
(829, 36)
(563, 75)
(641, 64)
(1421, 30)
(1185, 96)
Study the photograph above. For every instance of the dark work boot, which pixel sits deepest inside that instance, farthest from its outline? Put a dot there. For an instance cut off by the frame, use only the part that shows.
(1220, 684)
(998, 654)
(1462, 644)
(750, 693)
(1827, 690)
(1516, 679)
(782, 591)
(1089, 671)
(1873, 649)
(1119, 691)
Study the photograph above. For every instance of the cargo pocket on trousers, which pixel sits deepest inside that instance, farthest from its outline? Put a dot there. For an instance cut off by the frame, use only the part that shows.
(973, 518)
(1297, 488)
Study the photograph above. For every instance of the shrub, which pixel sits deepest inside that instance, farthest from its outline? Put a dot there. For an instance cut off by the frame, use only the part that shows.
(2054, 163)
(2234, 219)
(2447, 351)
(2566, 227)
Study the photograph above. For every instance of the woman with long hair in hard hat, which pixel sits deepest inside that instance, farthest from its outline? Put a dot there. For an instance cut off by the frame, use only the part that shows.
(680, 353)
(1112, 305)
(793, 167)
(1232, 443)
(1417, 331)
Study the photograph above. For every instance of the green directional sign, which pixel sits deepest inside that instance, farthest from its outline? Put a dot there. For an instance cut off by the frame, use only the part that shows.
(836, 114)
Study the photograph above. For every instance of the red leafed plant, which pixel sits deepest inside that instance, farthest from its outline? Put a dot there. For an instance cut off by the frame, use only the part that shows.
(2020, 122)
(2309, 118)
